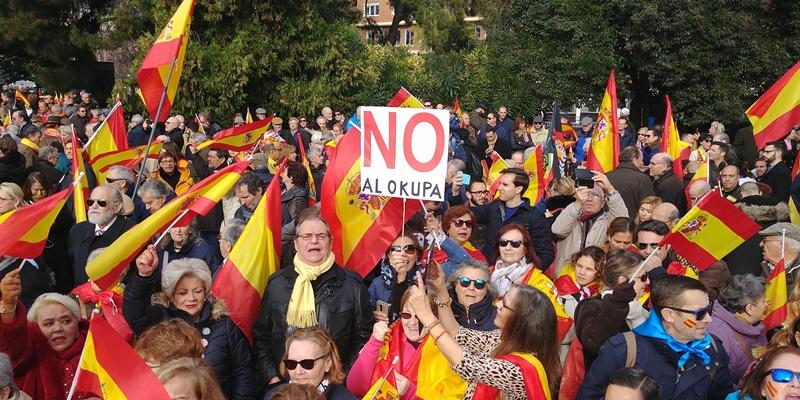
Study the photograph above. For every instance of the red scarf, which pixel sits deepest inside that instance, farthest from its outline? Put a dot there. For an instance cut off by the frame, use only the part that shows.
(530, 368)
(111, 305)
(566, 286)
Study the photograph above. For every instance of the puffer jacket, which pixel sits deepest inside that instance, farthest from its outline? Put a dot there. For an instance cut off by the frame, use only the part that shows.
(747, 257)
(226, 348)
(738, 338)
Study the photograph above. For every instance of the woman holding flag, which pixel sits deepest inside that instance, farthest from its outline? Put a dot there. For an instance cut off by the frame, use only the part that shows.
(453, 246)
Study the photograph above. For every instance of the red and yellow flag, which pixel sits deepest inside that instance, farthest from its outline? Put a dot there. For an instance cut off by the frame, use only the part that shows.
(457, 108)
(312, 187)
(199, 200)
(534, 378)
(25, 229)
(164, 63)
(383, 389)
(110, 368)
(536, 278)
(403, 98)
(710, 230)
(492, 175)
(128, 157)
(238, 138)
(672, 144)
(111, 136)
(81, 185)
(535, 169)
(242, 280)
(604, 147)
(567, 283)
(677, 268)
(776, 294)
(703, 172)
(778, 110)
(7, 119)
(18, 95)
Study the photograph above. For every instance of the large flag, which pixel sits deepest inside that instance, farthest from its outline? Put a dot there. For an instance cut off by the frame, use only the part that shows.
(710, 230)
(111, 136)
(242, 280)
(604, 147)
(128, 157)
(199, 200)
(403, 98)
(534, 379)
(672, 144)
(533, 166)
(239, 138)
(778, 110)
(110, 368)
(81, 185)
(18, 95)
(164, 63)
(492, 174)
(536, 278)
(25, 229)
(7, 119)
(776, 294)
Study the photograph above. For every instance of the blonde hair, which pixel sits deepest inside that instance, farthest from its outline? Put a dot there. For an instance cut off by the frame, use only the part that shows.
(322, 339)
(177, 269)
(12, 190)
(652, 200)
(563, 186)
(199, 374)
(53, 298)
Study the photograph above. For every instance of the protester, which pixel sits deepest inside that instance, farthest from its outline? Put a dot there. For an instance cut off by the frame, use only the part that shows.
(515, 259)
(666, 185)
(629, 180)
(773, 377)
(620, 234)
(398, 269)
(472, 295)
(190, 379)
(12, 163)
(790, 254)
(167, 341)
(778, 175)
(453, 246)
(295, 198)
(11, 197)
(580, 279)
(177, 177)
(631, 384)
(646, 207)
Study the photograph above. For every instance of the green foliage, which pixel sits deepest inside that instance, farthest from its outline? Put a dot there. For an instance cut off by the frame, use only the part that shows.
(442, 26)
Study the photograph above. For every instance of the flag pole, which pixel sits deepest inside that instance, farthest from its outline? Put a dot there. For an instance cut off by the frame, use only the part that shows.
(175, 221)
(383, 378)
(639, 269)
(153, 128)
(78, 370)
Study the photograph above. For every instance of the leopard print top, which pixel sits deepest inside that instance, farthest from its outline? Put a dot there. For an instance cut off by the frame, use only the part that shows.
(478, 366)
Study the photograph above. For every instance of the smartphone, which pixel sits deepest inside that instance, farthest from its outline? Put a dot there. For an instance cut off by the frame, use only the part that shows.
(383, 307)
(583, 177)
(465, 179)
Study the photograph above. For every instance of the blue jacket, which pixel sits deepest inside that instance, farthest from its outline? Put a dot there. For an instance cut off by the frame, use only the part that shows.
(580, 154)
(660, 363)
(381, 287)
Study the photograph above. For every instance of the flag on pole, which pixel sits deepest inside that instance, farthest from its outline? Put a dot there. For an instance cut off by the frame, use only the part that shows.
(493, 173)
(536, 278)
(7, 119)
(25, 229)
(403, 98)
(777, 310)
(127, 157)
(710, 230)
(110, 368)
(672, 144)
(164, 63)
(199, 125)
(777, 111)
(238, 138)
(18, 95)
(199, 200)
(82, 185)
(111, 136)
(312, 187)
(533, 166)
(457, 108)
(604, 147)
(553, 160)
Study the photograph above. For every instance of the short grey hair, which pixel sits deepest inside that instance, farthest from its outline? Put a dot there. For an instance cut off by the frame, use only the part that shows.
(749, 189)
(53, 298)
(456, 165)
(199, 137)
(45, 152)
(12, 190)
(156, 187)
(136, 119)
(491, 289)
(742, 290)
(233, 230)
(314, 151)
(121, 173)
(177, 269)
(7, 373)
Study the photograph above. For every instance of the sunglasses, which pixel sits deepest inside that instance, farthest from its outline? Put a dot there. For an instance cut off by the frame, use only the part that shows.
(101, 203)
(408, 249)
(644, 277)
(643, 246)
(303, 120)
(461, 222)
(407, 315)
(700, 314)
(781, 375)
(465, 282)
(514, 243)
(307, 364)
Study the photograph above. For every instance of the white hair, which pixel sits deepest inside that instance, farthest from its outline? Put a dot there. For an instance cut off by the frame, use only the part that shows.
(177, 269)
(53, 298)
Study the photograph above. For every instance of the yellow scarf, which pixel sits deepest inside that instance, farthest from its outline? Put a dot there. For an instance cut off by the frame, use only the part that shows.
(29, 143)
(302, 311)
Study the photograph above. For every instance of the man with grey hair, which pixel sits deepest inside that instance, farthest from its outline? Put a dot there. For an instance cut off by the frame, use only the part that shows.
(122, 177)
(771, 249)
(154, 194)
(665, 184)
(748, 189)
(327, 112)
(666, 213)
(101, 228)
(8, 390)
(137, 136)
(229, 232)
(697, 190)
(46, 164)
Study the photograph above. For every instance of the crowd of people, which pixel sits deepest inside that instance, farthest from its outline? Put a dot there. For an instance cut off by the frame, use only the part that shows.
(569, 297)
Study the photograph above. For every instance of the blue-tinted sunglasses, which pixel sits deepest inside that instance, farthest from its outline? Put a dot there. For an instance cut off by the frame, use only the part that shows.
(465, 282)
(783, 375)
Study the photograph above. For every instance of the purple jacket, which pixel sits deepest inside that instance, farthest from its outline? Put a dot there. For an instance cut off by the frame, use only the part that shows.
(727, 327)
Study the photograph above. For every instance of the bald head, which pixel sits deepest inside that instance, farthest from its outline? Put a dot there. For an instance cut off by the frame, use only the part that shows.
(697, 190)
(749, 189)
(666, 213)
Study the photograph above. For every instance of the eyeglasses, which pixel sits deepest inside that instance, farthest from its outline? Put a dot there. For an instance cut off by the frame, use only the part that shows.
(321, 237)
(514, 243)
(698, 314)
(465, 282)
(338, 114)
(643, 246)
(781, 375)
(407, 315)
(304, 120)
(167, 161)
(504, 305)
(307, 364)
(480, 192)
(461, 222)
(644, 277)
(100, 203)
(408, 249)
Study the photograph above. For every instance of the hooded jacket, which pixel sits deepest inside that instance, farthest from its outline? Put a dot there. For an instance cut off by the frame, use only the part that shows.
(738, 338)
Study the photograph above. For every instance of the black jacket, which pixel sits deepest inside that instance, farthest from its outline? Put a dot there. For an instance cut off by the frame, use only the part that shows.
(50, 172)
(779, 178)
(492, 215)
(632, 185)
(670, 189)
(176, 136)
(343, 309)
(747, 257)
(137, 136)
(82, 241)
(12, 168)
(226, 351)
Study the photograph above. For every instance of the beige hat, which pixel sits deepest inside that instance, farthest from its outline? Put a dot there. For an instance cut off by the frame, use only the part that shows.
(277, 121)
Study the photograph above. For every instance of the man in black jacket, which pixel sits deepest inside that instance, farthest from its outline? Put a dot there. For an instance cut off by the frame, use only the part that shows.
(778, 176)
(629, 180)
(665, 184)
(339, 300)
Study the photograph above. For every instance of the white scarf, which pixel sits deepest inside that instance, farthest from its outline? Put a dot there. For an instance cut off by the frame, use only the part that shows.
(504, 276)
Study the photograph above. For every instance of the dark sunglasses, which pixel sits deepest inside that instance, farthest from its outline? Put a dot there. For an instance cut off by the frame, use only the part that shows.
(514, 243)
(406, 315)
(303, 120)
(465, 282)
(781, 375)
(112, 180)
(643, 246)
(644, 277)
(408, 249)
(700, 314)
(101, 203)
(460, 222)
(307, 364)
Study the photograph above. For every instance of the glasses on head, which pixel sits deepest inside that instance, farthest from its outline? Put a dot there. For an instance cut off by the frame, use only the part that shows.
(321, 237)
(514, 243)
(643, 246)
(698, 314)
(408, 249)
(100, 202)
(461, 222)
(465, 282)
(781, 375)
(307, 364)
(481, 193)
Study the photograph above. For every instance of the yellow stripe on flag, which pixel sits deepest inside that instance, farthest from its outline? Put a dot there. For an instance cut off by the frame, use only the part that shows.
(604, 145)
(435, 378)
(89, 363)
(716, 238)
(350, 213)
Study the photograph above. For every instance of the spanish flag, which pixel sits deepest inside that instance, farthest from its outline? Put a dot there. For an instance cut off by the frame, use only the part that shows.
(242, 280)
(111, 136)
(81, 185)
(164, 63)
(383, 389)
(533, 376)
(127, 157)
(403, 98)
(604, 147)
(680, 269)
(672, 144)
(536, 278)
(710, 230)
(703, 172)
(776, 294)
(567, 283)
(199, 199)
(7, 119)
(312, 187)
(110, 368)
(18, 95)
(25, 229)
(777, 110)
(533, 166)
(238, 138)
(457, 108)
(492, 175)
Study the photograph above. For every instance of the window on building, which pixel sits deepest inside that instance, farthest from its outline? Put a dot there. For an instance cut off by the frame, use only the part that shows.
(478, 32)
(372, 10)
(409, 37)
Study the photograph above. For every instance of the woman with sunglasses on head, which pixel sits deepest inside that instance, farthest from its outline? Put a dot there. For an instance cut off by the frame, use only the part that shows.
(453, 246)
(311, 358)
(398, 267)
(775, 376)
